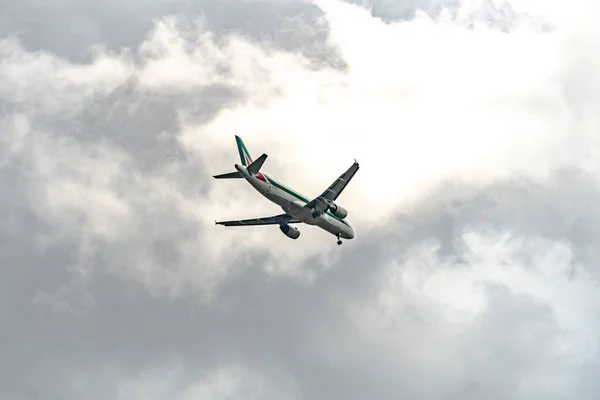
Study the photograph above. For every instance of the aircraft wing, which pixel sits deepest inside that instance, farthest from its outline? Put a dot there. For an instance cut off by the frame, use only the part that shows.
(333, 192)
(274, 220)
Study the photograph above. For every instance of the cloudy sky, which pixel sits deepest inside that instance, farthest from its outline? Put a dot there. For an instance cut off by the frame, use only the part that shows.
(474, 271)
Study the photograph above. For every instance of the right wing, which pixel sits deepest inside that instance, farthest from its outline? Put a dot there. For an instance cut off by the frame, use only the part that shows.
(281, 219)
(321, 203)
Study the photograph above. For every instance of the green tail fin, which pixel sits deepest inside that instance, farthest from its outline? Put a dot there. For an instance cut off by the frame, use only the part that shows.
(245, 156)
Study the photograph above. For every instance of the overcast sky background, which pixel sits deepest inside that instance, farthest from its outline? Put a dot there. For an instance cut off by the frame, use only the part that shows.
(474, 271)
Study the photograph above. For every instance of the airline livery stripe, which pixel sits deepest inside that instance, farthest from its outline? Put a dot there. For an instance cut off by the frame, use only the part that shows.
(242, 156)
(289, 191)
(300, 197)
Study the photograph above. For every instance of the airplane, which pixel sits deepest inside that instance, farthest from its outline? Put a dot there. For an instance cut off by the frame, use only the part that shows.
(321, 211)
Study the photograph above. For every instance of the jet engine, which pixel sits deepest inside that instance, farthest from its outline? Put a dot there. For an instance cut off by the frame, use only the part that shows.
(338, 211)
(290, 231)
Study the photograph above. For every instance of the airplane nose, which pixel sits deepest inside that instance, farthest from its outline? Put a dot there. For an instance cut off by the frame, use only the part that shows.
(350, 232)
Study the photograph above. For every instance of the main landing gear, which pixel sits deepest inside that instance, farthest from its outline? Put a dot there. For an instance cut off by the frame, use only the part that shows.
(339, 240)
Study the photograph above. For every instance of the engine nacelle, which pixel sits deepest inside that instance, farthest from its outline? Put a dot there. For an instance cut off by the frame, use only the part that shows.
(290, 231)
(338, 211)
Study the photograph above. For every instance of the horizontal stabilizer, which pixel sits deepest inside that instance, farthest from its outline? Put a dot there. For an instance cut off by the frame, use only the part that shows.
(229, 175)
(257, 164)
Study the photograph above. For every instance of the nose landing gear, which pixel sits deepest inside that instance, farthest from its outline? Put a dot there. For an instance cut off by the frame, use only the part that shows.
(339, 240)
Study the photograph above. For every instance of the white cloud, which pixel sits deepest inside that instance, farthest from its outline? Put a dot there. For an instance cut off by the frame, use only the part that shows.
(42, 82)
(16, 128)
(421, 100)
(436, 305)
(97, 197)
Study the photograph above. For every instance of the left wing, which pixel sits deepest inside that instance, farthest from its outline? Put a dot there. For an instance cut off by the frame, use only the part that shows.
(321, 203)
(281, 219)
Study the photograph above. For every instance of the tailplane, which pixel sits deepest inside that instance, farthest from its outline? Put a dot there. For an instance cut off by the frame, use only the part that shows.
(255, 167)
(252, 166)
(229, 175)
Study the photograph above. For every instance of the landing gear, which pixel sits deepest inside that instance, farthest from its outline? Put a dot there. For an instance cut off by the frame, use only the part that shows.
(339, 242)
(315, 213)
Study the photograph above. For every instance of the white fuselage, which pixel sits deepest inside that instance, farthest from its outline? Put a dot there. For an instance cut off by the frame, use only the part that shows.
(293, 204)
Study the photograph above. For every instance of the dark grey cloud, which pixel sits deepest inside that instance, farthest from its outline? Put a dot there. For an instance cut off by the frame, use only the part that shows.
(500, 15)
(76, 323)
(150, 137)
(400, 9)
(285, 24)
